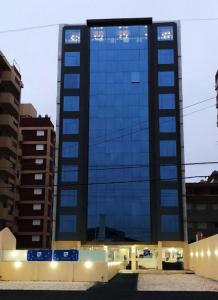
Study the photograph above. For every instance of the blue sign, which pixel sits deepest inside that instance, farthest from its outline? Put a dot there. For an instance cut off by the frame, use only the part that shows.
(39, 255)
(66, 255)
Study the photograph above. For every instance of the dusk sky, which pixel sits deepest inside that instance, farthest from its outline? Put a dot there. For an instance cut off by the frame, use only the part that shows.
(35, 52)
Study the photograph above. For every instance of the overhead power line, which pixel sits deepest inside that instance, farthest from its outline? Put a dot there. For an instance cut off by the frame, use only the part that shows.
(146, 123)
(106, 182)
(28, 28)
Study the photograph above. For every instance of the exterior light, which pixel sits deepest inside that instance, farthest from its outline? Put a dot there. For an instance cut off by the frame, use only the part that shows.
(208, 253)
(88, 264)
(53, 264)
(17, 264)
(191, 254)
(13, 253)
(202, 253)
(196, 254)
(216, 252)
(133, 249)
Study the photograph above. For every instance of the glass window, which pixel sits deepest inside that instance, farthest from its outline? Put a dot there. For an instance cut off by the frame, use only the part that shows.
(169, 223)
(72, 36)
(201, 206)
(35, 238)
(168, 148)
(38, 176)
(166, 78)
(36, 222)
(40, 133)
(135, 77)
(168, 172)
(169, 197)
(71, 103)
(39, 147)
(165, 33)
(70, 126)
(39, 161)
(72, 59)
(67, 223)
(165, 56)
(68, 198)
(70, 149)
(71, 81)
(167, 124)
(37, 206)
(37, 191)
(69, 173)
(166, 101)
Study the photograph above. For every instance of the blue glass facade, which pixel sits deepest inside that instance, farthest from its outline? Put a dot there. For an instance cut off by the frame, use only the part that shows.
(119, 133)
(119, 176)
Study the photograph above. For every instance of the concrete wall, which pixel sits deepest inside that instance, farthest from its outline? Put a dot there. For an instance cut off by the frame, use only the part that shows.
(61, 271)
(203, 257)
(7, 240)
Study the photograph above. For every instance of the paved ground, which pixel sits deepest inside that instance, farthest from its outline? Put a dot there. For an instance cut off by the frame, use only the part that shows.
(121, 287)
(176, 282)
(45, 285)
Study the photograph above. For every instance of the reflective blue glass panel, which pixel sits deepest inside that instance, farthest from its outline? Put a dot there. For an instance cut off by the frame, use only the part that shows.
(168, 172)
(69, 173)
(166, 78)
(67, 223)
(70, 149)
(119, 134)
(71, 59)
(167, 124)
(70, 126)
(169, 223)
(135, 77)
(165, 33)
(72, 36)
(71, 103)
(68, 198)
(168, 148)
(166, 101)
(165, 56)
(71, 81)
(169, 197)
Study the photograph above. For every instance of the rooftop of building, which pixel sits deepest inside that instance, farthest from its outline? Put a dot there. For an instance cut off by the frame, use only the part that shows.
(29, 118)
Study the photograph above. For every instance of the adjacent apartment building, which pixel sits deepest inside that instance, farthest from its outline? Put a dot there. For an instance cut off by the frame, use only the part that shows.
(119, 157)
(202, 206)
(10, 91)
(37, 173)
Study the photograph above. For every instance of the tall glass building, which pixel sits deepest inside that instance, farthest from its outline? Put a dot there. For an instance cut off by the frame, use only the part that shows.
(119, 156)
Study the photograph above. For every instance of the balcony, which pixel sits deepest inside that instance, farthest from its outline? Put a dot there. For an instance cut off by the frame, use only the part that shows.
(8, 102)
(8, 145)
(11, 81)
(9, 122)
(6, 192)
(5, 216)
(6, 168)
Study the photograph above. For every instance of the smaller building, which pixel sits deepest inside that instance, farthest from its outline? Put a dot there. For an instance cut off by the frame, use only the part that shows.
(202, 208)
(37, 173)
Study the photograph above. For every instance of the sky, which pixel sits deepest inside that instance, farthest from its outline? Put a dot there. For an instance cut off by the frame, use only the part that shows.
(35, 52)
